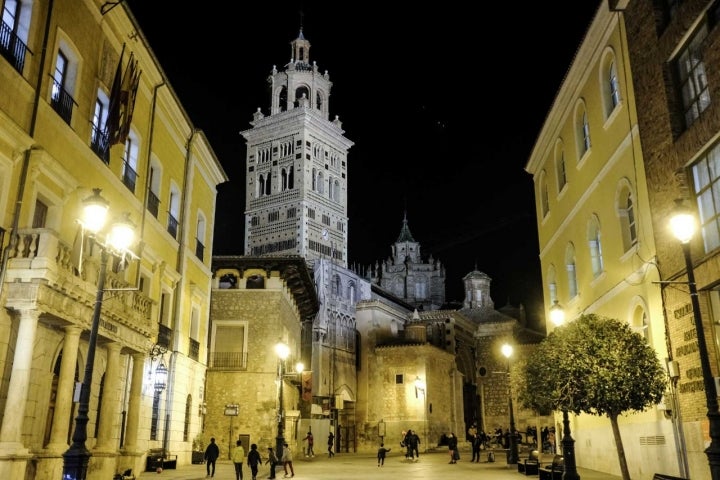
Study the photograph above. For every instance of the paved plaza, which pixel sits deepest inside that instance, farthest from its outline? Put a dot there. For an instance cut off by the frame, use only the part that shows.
(350, 466)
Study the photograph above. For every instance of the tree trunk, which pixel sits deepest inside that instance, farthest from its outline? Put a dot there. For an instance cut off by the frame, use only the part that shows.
(619, 445)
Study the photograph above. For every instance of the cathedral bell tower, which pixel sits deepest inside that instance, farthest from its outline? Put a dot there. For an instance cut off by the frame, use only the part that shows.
(296, 167)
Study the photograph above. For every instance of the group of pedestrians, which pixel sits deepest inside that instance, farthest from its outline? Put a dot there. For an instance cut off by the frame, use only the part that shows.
(254, 460)
(411, 442)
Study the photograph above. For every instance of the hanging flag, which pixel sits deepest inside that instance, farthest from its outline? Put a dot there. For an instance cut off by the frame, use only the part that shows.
(128, 92)
(306, 386)
(122, 100)
(112, 125)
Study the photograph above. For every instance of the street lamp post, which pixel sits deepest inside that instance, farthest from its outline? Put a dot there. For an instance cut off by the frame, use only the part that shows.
(282, 351)
(117, 242)
(422, 386)
(683, 226)
(512, 456)
(557, 315)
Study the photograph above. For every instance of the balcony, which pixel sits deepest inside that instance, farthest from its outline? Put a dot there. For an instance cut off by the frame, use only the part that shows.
(200, 250)
(194, 352)
(100, 143)
(62, 102)
(153, 203)
(228, 360)
(165, 335)
(129, 176)
(12, 48)
(172, 225)
(45, 270)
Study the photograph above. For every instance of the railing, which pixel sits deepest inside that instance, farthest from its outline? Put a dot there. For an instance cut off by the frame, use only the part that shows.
(172, 225)
(12, 48)
(165, 334)
(228, 360)
(62, 102)
(200, 250)
(194, 352)
(129, 176)
(39, 254)
(153, 203)
(100, 143)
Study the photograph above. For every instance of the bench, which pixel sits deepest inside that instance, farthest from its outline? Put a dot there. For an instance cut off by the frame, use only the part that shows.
(158, 458)
(530, 465)
(554, 470)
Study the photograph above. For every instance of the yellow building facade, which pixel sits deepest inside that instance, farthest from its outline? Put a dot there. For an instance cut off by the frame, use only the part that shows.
(597, 247)
(85, 105)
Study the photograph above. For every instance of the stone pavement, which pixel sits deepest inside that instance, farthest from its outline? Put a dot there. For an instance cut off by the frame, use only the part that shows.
(351, 466)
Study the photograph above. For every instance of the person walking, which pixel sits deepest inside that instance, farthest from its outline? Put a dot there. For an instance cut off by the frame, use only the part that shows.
(476, 444)
(331, 441)
(287, 461)
(238, 457)
(254, 460)
(310, 442)
(212, 452)
(412, 442)
(382, 451)
(453, 448)
(273, 461)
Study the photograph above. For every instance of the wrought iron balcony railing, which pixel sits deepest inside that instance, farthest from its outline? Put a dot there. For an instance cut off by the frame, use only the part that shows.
(62, 102)
(12, 48)
(129, 176)
(153, 203)
(172, 225)
(100, 143)
(228, 360)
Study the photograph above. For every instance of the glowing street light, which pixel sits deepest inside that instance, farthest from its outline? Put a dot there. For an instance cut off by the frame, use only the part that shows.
(557, 316)
(117, 242)
(512, 457)
(683, 226)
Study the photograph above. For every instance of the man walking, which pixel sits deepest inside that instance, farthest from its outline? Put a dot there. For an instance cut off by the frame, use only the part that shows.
(310, 442)
(212, 452)
(331, 441)
(476, 443)
(273, 461)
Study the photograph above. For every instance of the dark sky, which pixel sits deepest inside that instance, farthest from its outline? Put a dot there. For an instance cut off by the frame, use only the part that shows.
(443, 102)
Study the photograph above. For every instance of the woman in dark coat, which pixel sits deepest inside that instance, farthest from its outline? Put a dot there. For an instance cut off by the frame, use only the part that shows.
(453, 448)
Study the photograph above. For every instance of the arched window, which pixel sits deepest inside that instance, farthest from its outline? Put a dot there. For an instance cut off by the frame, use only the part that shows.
(560, 167)
(552, 284)
(582, 130)
(595, 246)
(639, 320)
(570, 266)
(610, 86)
(626, 215)
(544, 198)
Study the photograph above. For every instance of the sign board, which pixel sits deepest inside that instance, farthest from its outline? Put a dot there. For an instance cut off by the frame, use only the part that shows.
(231, 410)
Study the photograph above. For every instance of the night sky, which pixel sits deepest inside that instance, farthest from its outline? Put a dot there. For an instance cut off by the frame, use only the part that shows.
(443, 103)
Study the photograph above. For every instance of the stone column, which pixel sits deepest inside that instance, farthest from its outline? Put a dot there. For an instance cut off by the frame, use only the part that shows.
(110, 400)
(11, 430)
(133, 416)
(66, 387)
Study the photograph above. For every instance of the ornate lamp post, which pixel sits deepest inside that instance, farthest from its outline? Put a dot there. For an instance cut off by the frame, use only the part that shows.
(512, 456)
(117, 242)
(557, 316)
(421, 386)
(683, 226)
